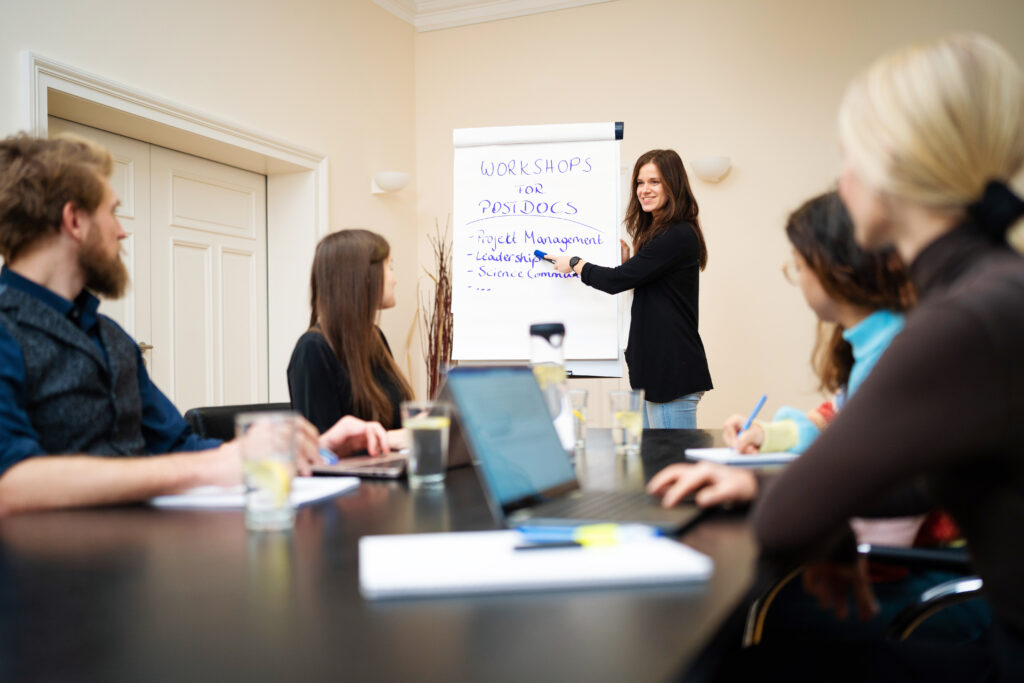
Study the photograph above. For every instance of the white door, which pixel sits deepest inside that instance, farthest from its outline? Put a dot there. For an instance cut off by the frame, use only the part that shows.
(197, 255)
(209, 274)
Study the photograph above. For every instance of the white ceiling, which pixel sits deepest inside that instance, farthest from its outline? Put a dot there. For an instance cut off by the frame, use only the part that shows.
(430, 15)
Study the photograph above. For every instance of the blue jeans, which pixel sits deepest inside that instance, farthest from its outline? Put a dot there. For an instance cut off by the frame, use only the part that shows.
(678, 414)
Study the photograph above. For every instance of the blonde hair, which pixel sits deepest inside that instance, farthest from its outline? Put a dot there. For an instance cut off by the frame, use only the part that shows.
(935, 122)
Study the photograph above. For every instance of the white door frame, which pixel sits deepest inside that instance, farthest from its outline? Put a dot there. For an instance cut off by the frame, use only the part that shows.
(297, 190)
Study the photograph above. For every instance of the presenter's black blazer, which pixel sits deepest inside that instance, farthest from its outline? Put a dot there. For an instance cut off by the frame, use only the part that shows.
(665, 353)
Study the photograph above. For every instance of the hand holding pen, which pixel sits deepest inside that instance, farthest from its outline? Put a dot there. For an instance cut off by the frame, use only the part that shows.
(742, 435)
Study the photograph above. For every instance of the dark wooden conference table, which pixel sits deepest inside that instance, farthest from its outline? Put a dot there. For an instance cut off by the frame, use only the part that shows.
(137, 594)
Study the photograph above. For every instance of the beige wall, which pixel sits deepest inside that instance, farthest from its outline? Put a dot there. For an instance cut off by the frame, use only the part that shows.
(758, 81)
(335, 77)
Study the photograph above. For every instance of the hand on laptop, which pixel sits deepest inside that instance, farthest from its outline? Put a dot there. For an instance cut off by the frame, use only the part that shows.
(350, 435)
(398, 439)
(307, 452)
(714, 484)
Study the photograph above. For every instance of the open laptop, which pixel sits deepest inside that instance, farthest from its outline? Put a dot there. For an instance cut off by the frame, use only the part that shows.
(526, 475)
(392, 466)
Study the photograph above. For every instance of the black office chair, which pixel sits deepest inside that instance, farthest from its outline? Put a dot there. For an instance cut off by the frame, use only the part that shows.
(930, 602)
(218, 422)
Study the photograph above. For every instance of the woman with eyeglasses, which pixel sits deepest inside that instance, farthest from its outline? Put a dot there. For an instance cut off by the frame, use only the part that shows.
(858, 297)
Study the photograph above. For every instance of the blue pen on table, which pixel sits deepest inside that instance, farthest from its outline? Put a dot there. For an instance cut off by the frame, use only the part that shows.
(329, 457)
(584, 535)
(753, 416)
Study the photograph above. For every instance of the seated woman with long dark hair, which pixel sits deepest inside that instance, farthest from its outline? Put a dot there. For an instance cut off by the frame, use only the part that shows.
(343, 365)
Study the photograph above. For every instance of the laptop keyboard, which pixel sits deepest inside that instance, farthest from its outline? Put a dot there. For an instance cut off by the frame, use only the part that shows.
(600, 505)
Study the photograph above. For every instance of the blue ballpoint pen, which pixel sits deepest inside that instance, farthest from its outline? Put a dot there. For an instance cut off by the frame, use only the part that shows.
(753, 416)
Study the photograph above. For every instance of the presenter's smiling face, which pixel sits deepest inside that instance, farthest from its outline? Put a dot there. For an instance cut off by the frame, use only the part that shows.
(387, 298)
(650, 190)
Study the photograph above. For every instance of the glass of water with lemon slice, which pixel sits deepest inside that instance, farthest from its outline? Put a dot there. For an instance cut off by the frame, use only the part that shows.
(427, 423)
(578, 401)
(627, 420)
(268, 446)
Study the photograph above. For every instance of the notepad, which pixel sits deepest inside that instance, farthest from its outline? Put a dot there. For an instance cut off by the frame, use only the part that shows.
(304, 490)
(475, 562)
(728, 456)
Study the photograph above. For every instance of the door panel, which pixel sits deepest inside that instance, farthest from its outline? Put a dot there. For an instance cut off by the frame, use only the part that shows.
(192, 311)
(240, 276)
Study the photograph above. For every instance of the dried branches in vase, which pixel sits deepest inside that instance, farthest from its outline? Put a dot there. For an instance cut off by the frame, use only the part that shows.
(436, 309)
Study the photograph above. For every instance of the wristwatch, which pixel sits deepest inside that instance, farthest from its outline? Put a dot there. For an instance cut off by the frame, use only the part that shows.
(573, 261)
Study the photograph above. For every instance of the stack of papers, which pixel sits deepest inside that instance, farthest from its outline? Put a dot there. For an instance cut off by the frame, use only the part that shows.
(304, 490)
(728, 456)
(469, 562)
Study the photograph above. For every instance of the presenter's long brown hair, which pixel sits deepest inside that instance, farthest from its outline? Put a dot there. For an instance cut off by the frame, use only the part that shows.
(822, 233)
(346, 286)
(680, 205)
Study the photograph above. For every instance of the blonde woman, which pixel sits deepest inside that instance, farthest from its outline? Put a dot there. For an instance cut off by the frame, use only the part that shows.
(931, 135)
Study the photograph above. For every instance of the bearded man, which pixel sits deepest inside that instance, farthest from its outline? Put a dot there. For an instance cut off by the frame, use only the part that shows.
(79, 415)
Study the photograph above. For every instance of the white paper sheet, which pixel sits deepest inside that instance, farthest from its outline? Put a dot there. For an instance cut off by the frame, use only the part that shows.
(517, 190)
(304, 490)
(469, 562)
(728, 456)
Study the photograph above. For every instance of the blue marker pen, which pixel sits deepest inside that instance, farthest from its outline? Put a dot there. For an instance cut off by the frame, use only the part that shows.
(540, 254)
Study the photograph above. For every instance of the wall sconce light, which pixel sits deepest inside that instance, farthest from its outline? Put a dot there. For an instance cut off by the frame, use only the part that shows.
(711, 169)
(388, 181)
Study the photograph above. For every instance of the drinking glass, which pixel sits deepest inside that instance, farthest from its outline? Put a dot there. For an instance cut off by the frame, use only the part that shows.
(627, 420)
(267, 441)
(578, 401)
(427, 423)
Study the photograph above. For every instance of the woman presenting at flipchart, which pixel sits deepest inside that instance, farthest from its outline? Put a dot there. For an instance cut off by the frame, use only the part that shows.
(665, 354)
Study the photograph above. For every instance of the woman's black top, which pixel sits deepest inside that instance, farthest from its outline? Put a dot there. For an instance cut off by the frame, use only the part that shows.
(665, 354)
(320, 388)
(943, 409)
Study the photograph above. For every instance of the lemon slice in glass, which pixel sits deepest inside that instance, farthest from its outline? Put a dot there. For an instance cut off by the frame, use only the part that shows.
(270, 477)
(629, 420)
(439, 422)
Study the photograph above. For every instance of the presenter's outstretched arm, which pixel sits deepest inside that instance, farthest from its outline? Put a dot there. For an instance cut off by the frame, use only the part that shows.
(562, 264)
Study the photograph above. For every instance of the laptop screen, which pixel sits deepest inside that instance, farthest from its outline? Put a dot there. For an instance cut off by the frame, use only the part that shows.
(509, 428)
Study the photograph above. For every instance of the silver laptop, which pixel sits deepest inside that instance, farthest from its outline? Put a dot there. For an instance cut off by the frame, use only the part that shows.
(392, 466)
(526, 475)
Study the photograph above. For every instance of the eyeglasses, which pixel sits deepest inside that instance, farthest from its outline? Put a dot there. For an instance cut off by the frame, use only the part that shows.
(791, 271)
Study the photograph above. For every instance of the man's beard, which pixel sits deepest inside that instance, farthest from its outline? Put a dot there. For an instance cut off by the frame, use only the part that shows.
(105, 276)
